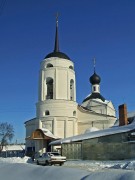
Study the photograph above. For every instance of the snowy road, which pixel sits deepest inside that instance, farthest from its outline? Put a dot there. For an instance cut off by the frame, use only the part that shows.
(22, 168)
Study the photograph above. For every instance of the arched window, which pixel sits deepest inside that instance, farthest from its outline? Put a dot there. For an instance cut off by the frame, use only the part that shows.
(72, 89)
(47, 113)
(49, 84)
(71, 67)
(74, 113)
(49, 65)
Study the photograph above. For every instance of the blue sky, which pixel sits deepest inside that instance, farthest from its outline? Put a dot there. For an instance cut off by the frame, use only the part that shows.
(89, 28)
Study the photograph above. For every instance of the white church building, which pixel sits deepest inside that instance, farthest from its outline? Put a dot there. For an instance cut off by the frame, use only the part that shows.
(58, 115)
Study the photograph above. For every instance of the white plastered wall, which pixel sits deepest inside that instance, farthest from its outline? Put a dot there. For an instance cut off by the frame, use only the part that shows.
(61, 75)
(61, 114)
(87, 119)
(62, 118)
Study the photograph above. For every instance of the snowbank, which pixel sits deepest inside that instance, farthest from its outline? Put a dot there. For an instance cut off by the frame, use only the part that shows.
(32, 172)
(23, 171)
(93, 166)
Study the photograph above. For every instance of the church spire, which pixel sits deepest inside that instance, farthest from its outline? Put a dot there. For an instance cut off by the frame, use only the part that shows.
(56, 52)
(56, 46)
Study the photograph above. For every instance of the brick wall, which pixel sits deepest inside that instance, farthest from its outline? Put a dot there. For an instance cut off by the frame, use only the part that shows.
(123, 115)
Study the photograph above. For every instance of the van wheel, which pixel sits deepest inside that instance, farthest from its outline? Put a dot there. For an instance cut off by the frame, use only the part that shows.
(61, 164)
(46, 163)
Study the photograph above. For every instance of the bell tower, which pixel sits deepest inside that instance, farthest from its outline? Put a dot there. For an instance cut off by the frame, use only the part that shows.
(56, 106)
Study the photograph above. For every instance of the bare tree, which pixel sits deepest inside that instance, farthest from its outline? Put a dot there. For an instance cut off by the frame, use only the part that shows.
(6, 134)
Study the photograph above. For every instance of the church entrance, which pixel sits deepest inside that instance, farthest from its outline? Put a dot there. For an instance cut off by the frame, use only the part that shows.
(40, 143)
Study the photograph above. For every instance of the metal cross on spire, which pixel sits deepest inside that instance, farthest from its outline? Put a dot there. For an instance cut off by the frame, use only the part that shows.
(57, 16)
(56, 46)
(94, 64)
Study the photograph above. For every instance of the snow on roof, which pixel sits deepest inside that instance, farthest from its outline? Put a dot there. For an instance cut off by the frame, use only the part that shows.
(30, 120)
(17, 147)
(98, 100)
(48, 133)
(92, 129)
(100, 133)
(131, 114)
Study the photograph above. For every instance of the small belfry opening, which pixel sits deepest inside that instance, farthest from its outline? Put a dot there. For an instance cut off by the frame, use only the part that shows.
(74, 113)
(71, 67)
(72, 90)
(47, 113)
(49, 65)
(49, 84)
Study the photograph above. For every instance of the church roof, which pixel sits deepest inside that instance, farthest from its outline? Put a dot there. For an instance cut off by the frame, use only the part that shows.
(95, 80)
(56, 52)
(88, 110)
(42, 134)
(94, 95)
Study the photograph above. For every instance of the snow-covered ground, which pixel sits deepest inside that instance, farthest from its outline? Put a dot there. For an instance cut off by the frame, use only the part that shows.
(24, 168)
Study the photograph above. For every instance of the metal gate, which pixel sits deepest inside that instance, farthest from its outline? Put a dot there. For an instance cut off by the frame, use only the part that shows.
(72, 151)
